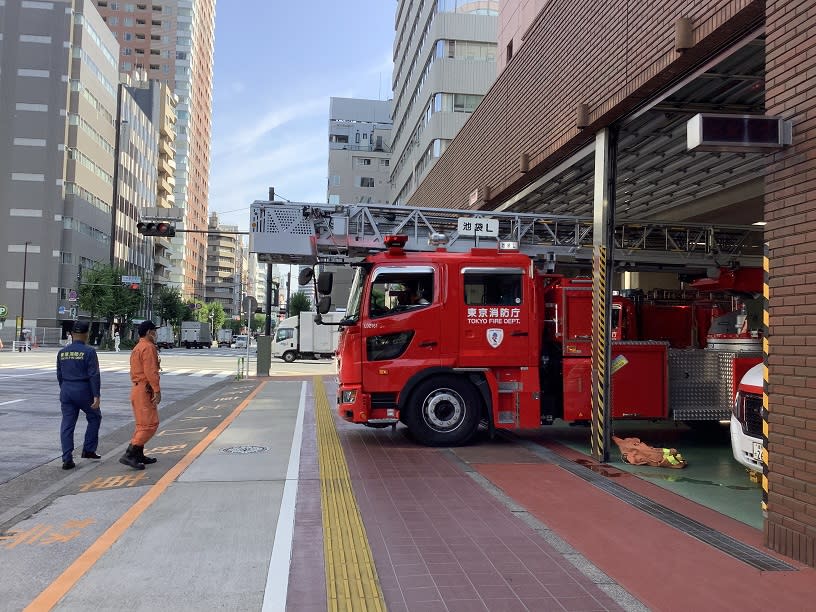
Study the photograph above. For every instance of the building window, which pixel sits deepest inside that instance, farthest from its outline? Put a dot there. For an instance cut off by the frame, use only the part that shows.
(366, 181)
(509, 50)
(334, 180)
(363, 161)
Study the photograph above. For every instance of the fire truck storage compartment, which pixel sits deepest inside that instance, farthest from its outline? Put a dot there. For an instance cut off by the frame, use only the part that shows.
(702, 383)
(639, 389)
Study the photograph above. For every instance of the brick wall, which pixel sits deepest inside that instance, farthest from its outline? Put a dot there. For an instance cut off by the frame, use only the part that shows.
(608, 54)
(790, 211)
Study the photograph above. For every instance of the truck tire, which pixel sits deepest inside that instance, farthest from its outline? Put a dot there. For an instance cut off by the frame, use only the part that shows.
(443, 411)
(187, 345)
(289, 356)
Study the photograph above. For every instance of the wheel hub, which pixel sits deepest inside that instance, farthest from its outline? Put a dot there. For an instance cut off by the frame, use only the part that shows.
(443, 410)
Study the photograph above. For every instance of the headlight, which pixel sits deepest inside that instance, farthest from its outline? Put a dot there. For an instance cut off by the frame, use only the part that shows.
(348, 397)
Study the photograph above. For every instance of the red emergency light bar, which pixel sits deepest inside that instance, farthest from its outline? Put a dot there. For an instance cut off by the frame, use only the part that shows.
(395, 240)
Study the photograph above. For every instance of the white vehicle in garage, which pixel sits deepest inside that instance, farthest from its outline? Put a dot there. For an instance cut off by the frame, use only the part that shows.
(746, 420)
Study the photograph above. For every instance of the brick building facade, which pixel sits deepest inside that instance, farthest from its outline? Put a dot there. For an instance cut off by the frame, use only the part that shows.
(602, 63)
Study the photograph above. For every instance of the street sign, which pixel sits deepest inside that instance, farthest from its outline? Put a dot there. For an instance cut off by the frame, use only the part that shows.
(73, 312)
(131, 280)
(72, 296)
(3, 311)
(483, 228)
(250, 304)
(61, 310)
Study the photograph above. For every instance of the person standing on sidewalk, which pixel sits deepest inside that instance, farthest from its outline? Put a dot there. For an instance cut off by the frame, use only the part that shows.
(80, 384)
(144, 396)
(116, 340)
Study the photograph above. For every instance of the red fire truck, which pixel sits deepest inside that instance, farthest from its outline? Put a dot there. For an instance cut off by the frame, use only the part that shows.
(443, 340)
(496, 340)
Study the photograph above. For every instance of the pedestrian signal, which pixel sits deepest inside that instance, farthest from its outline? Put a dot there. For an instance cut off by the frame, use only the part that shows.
(164, 229)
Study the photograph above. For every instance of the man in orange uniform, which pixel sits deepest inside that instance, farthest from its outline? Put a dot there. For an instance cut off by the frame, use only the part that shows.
(145, 395)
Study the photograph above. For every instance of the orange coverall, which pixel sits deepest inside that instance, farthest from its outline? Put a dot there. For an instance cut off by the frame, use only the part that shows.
(144, 372)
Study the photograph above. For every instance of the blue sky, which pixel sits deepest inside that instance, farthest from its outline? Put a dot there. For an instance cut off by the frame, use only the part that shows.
(276, 66)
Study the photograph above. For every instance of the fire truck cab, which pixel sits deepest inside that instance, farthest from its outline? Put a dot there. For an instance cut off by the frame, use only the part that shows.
(441, 366)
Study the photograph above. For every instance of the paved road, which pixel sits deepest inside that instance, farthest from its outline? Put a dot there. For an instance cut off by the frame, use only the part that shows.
(29, 397)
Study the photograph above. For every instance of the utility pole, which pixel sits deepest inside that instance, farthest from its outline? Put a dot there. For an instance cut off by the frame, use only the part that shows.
(22, 305)
(268, 329)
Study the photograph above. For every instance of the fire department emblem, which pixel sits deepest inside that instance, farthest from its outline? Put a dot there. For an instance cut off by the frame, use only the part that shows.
(495, 337)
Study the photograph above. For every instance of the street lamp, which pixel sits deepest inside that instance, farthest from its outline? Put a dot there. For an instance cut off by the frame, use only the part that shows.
(212, 323)
(22, 305)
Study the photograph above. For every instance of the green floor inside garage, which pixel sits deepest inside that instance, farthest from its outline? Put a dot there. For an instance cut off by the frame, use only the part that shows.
(712, 478)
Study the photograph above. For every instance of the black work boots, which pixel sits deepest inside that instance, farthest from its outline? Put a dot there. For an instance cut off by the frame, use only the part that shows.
(142, 458)
(132, 457)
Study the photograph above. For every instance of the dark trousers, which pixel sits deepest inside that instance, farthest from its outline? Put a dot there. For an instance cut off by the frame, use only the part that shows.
(70, 413)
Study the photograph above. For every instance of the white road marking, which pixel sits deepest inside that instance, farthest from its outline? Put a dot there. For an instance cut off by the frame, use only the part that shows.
(277, 579)
(202, 373)
(10, 402)
(175, 372)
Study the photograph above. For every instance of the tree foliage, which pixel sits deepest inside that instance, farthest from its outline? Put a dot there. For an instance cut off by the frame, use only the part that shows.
(216, 309)
(298, 303)
(101, 292)
(169, 306)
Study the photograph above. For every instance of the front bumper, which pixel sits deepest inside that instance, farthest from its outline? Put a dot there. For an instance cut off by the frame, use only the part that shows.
(747, 449)
(355, 406)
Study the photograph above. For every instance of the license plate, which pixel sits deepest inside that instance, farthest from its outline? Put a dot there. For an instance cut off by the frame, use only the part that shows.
(757, 451)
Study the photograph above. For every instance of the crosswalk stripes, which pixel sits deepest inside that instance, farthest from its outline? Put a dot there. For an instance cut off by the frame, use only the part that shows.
(126, 370)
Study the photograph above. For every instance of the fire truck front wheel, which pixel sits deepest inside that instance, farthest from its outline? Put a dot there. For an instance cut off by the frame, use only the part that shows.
(444, 411)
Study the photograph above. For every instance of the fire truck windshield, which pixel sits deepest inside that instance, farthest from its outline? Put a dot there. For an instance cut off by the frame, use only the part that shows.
(356, 295)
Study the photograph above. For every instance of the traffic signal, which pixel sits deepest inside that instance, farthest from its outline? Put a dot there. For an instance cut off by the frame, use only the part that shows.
(162, 228)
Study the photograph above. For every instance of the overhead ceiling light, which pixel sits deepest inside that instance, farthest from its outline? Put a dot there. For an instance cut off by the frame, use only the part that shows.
(759, 223)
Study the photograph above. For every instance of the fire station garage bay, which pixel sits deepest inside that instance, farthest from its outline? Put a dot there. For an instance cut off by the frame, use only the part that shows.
(666, 124)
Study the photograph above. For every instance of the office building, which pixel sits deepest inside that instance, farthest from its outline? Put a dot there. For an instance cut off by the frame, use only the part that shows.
(359, 151)
(134, 186)
(225, 267)
(159, 102)
(58, 114)
(444, 63)
(172, 41)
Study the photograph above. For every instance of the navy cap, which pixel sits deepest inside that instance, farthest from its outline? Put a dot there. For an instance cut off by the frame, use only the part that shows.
(80, 327)
(146, 326)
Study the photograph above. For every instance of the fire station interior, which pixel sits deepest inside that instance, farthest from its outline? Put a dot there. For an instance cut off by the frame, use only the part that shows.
(658, 179)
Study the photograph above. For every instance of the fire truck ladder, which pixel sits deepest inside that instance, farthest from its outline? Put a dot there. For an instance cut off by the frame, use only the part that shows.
(300, 233)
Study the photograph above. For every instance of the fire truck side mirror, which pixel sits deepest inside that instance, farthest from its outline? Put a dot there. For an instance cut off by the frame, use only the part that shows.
(325, 280)
(324, 304)
(305, 276)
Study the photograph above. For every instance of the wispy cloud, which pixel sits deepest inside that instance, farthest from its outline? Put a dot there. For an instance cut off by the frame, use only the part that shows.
(250, 136)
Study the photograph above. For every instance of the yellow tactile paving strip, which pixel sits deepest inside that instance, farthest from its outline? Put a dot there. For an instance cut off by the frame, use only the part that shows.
(351, 578)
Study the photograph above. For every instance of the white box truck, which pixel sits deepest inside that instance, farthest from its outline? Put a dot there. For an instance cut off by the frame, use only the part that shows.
(195, 335)
(301, 338)
(165, 338)
(224, 337)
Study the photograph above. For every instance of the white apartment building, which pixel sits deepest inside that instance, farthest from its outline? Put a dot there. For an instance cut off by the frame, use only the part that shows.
(444, 63)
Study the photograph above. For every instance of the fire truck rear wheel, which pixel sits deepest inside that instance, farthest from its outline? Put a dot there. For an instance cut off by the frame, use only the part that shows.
(444, 411)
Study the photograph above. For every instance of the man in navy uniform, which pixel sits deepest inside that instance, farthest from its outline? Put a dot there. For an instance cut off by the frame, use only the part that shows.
(80, 383)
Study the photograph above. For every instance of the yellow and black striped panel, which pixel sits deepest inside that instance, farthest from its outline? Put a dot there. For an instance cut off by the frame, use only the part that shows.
(599, 351)
(765, 349)
(351, 577)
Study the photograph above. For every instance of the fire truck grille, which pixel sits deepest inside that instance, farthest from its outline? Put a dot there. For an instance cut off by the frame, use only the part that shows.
(383, 400)
(753, 416)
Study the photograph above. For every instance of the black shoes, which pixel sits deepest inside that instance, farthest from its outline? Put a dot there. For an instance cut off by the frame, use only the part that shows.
(90, 455)
(141, 455)
(131, 458)
(68, 465)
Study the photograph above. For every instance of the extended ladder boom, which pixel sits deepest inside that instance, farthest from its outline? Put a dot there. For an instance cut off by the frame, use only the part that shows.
(300, 233)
